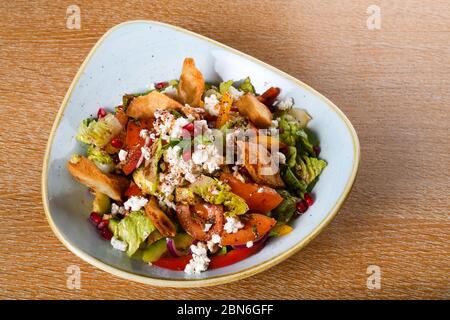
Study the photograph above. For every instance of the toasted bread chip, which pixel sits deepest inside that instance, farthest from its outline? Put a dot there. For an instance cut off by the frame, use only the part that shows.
(86, 172)
(260, 165)
(248, 105)
(145, 106)
(191, 85)
(159, 219)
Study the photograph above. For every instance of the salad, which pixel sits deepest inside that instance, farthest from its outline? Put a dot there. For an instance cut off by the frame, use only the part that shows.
(192, 176)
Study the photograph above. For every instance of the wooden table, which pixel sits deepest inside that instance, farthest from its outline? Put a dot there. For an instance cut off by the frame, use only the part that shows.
(393, 83)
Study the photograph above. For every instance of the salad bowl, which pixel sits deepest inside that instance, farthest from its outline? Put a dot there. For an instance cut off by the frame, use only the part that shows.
(154, 51)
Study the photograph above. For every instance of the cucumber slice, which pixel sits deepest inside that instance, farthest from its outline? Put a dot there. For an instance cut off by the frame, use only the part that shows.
(155, 251)
(182, 241)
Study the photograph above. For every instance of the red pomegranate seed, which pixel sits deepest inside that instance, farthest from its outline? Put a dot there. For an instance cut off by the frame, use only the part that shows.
(103, 224)
(95, 218)
(309, 200)
(107, 234)
(316, 150)
(302, 206)
(101, 113)
(116, 143)
(187, 155)
(161, 85)
(189, 127)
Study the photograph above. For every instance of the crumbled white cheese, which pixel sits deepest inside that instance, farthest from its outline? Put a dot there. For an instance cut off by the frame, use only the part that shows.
(235, 93)
(177, 128)
(199, 261)
(249, 244)
(207, 227)
(260, 190)
(281, 157)
(163, 123)
(208, 157)
(122, 155)
(215, 240)
(212, 105)
(115, 209)
(118, 244)
(146, 152)
(143, 133)
(284, 104)
(233, 225)
(135, 203)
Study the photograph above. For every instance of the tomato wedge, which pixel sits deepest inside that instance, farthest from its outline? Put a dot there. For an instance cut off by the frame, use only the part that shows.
(258, 198)
(177, 264)
(220, 261)
(133, 190)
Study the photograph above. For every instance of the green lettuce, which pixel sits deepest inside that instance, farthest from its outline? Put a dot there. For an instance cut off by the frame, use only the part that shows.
(216, 192)
(133, 229)
(286, 209)
(147, 178)
(309, 168)
(295, 184)
(224, 86)
(247, 86)
(99, 132)
(98, 155)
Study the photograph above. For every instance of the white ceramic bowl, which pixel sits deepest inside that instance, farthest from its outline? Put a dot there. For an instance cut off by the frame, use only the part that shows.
(127, 59)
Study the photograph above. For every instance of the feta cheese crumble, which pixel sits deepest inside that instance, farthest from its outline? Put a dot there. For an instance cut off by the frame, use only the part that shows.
(122, 155)
(233, 225)
(215, 240)
(146, 152)
(199, 261)
(249, 244)
(177, 128)
(135, 203)
(115, 209)
(212, 105)
(235, 93)
(118, 244)
(284, 104)
(207, 227)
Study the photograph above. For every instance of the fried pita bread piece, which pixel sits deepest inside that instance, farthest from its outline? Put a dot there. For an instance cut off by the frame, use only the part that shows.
(86, 172)
(159, 219)
(259, 164)
(145, 106)
(258, 113)
(191, 85)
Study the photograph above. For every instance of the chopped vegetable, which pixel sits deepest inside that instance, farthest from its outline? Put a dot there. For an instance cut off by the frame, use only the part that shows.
(99, 132)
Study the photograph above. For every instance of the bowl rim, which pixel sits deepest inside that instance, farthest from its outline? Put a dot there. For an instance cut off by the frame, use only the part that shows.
(216, 280)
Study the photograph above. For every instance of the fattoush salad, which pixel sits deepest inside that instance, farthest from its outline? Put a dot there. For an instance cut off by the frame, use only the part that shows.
(192, 176)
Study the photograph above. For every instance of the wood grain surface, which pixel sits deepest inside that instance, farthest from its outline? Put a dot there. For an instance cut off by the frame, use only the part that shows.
(393, 84)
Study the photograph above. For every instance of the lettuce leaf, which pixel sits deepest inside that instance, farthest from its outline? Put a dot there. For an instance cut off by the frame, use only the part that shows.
(216, 192)
(309, 168)
(247, 86)
(99, 132)
(224, 86)
(98, 155)
(133, 229)
(286, 209)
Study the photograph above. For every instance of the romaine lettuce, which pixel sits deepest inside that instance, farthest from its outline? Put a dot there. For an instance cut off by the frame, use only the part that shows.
(99, 132)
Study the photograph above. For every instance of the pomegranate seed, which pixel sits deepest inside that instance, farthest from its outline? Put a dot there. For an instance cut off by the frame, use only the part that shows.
(116, 143)
(95, 218)
(316, 150)
(309, 200)
(107, 234)
(189, 127)
(103, 224)
(187, 155)
(161, 85)
(101, 113)
(302, 206)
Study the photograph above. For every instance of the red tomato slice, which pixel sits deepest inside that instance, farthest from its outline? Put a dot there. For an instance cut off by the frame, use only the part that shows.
(132, 159)
(258, 198)
(133, 138)
(233, 256)
(178, 264)
(133, 190)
